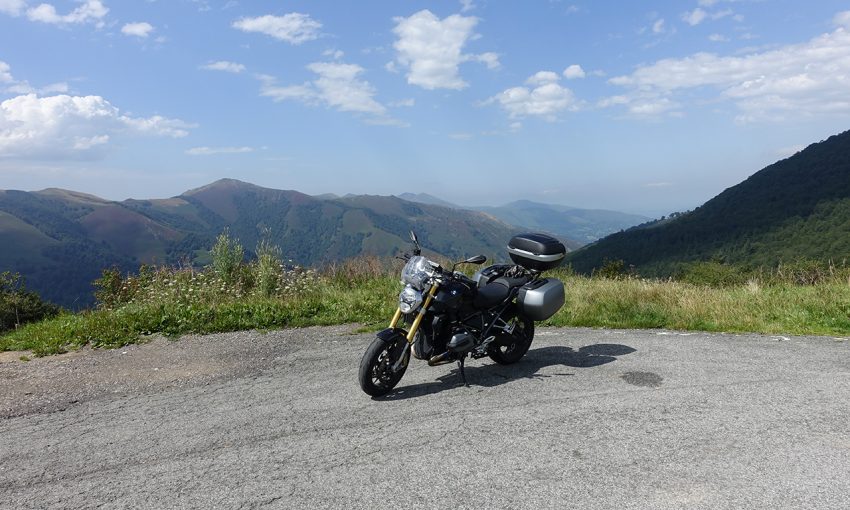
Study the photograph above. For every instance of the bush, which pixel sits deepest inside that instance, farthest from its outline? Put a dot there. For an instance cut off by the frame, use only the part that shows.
(227, 256)
(19, 306)
(712, 274)
(268, 269)
(610, 269)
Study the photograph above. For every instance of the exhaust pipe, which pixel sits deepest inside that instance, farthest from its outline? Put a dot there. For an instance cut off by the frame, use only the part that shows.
(440, 359)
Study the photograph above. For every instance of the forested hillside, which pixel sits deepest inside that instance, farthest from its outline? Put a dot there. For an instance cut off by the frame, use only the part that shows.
(798, 207)
(61, 240)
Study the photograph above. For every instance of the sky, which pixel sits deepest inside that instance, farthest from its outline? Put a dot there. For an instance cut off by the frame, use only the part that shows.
(647, 107)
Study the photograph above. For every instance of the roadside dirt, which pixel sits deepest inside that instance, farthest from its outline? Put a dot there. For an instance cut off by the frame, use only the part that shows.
(53, 383)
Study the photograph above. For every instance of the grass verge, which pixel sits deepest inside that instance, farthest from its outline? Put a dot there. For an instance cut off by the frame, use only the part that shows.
(174, 302)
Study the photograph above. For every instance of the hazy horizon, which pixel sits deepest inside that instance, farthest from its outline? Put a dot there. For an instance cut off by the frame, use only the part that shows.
(644, 108)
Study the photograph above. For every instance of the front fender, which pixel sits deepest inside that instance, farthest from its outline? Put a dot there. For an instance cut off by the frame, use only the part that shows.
(390, 334)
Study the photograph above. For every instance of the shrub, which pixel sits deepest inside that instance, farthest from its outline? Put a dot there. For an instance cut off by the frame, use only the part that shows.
(18, 305)
(712, 274)
(268, 269)
(227, 255)
(610, 269)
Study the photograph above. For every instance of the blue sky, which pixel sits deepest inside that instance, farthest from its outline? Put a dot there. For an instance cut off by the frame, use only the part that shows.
(646, 107)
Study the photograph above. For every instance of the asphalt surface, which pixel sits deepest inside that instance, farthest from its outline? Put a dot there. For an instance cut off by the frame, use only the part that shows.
(588, 419)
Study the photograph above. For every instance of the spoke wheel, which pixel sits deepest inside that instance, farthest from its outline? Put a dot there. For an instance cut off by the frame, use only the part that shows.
(521, 336)
(376, 374)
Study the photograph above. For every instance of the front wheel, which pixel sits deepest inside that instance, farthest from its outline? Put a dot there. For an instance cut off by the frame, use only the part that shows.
(511, 351)
(376, 375)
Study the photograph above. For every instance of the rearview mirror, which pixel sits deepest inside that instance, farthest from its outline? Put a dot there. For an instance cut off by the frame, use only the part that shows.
(413, 237)
(478, 259)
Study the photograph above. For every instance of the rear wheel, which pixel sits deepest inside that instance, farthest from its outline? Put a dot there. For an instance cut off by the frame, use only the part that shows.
(376, 375)
(511, 351)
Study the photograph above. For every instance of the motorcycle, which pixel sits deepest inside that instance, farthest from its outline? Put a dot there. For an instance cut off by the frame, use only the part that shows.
(444, 316)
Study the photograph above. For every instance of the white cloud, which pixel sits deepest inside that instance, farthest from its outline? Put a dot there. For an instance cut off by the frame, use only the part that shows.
(431, 49)
(699, 15)
(694, 17)
(658, 26)
(403, 102)
(466, 5)
(718, 38)
(793, 81)
(211, 151)
(141, 29)
(24, 87)
(542, 78)
(574, 71)
(334, 54)
(338, 86)
(224, 65)
(12, 7)
(63, 126)
(294, 28)
(5, 73)
(545, 100)
(463, 137)
(90, 11)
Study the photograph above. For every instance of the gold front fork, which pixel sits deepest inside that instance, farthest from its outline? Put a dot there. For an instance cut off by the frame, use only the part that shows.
(415, 326)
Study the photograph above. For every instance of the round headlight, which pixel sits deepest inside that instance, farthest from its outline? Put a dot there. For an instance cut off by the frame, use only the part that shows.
(409, 299)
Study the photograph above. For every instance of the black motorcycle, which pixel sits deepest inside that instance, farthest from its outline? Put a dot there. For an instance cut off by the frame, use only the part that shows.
(449, 316)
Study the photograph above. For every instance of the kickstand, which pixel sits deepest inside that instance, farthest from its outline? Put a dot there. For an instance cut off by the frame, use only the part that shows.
(462, 372)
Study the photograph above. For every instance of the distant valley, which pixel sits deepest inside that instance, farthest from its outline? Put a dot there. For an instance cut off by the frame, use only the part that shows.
(61, 240)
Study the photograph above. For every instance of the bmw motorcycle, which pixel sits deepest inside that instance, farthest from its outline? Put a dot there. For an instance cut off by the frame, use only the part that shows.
(444, 316)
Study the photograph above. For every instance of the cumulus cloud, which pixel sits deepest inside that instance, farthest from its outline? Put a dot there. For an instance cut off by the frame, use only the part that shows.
(140, 29)
(5, 73)
(90, 11)
(694, 17)
(806, 79)
(574, 71)
(698, 15)
(658, 26)
(294, 28)
(12, 7)
(545, 98)
(466, 5)
(225, 66)
(63, 126)
(337, 85)
(542, 78)
(431, 49)
(211, 151)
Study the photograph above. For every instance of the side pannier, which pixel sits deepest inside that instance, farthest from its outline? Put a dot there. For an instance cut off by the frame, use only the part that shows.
(541, 299)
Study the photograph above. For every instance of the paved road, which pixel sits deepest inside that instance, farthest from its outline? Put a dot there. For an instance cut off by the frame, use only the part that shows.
(589, 419)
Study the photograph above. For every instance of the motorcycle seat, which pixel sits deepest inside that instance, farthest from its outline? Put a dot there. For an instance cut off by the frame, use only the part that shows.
(496, 291)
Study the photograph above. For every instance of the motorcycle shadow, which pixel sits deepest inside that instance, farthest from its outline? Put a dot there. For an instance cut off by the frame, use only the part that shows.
(528, 367)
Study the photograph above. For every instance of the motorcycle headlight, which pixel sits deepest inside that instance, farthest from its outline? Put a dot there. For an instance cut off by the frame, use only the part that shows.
(416, 272)
(409, 300)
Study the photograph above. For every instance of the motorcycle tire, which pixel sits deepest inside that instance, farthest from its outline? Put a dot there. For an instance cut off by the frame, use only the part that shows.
(376, 375)
(514, 351)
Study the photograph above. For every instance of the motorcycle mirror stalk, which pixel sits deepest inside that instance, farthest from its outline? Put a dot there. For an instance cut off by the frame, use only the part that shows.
(417, 250)
(478, 259)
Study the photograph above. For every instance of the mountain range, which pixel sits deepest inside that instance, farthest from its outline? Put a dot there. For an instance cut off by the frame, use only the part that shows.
(60, 240)
(798, 207)
(575, 226)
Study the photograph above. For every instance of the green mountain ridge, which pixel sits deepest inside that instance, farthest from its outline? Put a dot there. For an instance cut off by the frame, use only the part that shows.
(798, 207)
(61, 239)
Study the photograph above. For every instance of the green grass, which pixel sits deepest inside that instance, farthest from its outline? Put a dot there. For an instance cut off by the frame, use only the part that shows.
(175, 302)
